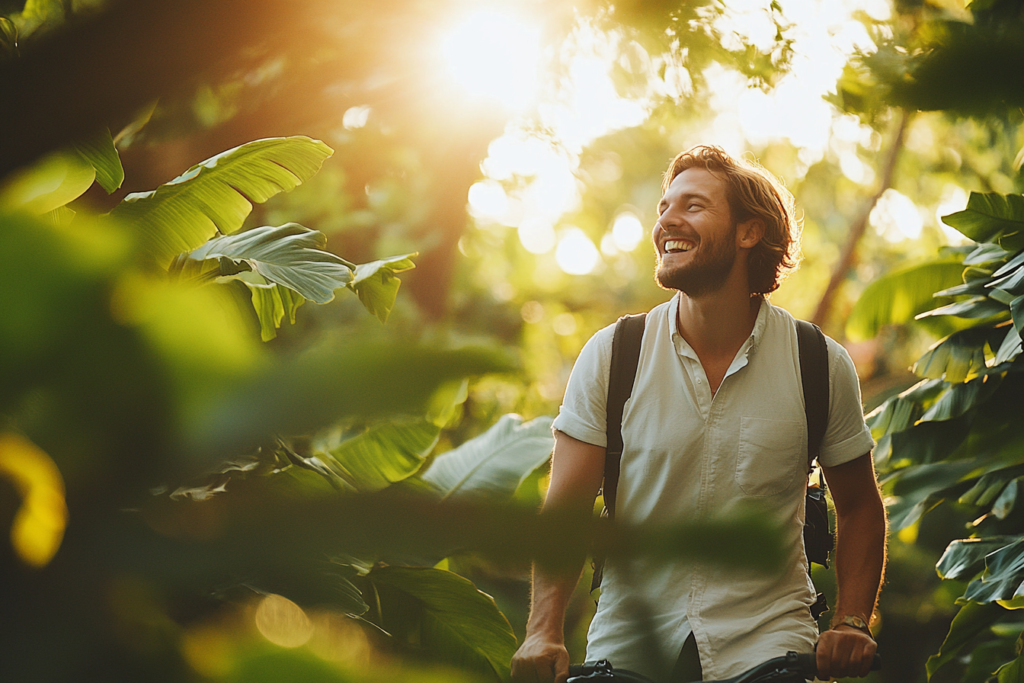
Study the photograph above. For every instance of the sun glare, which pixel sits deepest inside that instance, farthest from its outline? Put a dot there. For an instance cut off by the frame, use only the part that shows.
(495, 56)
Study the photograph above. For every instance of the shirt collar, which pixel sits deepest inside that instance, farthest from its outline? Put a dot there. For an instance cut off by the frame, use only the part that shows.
(749, 345)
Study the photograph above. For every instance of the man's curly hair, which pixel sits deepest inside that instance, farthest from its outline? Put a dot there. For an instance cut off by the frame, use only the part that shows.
(753, 192)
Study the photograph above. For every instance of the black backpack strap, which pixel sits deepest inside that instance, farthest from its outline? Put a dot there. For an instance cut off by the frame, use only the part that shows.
(629, 333)
(818, 540)
(814, 377)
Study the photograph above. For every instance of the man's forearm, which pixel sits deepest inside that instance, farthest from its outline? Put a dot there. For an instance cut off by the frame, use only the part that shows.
(548, 602)
(845, 649)
(860, 558)
(576, 471)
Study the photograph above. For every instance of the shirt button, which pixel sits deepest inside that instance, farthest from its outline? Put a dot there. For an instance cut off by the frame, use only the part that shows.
(698, 380)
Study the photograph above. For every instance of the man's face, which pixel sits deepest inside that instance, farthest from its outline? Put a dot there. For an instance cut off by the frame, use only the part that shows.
(695, 235)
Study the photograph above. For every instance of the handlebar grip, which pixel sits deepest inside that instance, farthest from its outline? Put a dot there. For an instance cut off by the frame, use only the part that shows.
(808, 663)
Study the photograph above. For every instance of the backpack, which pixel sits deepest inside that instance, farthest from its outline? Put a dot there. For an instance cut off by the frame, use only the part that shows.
(818, 538)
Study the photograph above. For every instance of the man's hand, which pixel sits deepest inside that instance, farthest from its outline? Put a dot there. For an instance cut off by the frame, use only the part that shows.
(844, 651)
(540, 659)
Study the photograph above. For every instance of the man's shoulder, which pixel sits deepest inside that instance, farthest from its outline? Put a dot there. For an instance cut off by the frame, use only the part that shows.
(838, 357)
(781, 319)
(655, 318)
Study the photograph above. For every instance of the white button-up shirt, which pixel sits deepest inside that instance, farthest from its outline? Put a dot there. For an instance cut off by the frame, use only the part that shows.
(688, 454)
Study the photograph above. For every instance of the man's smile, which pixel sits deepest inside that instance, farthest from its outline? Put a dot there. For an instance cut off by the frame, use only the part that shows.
(678, 246)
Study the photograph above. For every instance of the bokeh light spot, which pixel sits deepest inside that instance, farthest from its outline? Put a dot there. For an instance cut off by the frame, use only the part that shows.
(355, 117)
(532, 312)
(895, 217)
(627, 231)
(487, 200)
(282, 622)
(576, 254)
(537, 236)
(564, 324)
(954, 198)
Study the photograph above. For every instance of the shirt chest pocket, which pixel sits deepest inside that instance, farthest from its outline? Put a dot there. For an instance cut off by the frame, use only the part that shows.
(772, 455)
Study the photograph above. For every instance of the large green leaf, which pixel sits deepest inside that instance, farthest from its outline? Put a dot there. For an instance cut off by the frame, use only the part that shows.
(1014, 263)
(902, 411)
(954, 358)
(100, 153)
(965, 557)
(921, 487)
(289, 255)
(1012, 672)
(313, 583)
(1012, 282)
(985, 253)
(494, 464)
(974, 287)
(217, 194)
(1004, 504)
(446, 616)
(960, 398)
(972, 619)
(899, 296)
(930, 441)
(989, 216)
(271, 302)
(385, 453)
(377, 285)
(990, 486)
(1017, 312)
(974, 308)
(1010, 348)
(49, 184)
(1003, 575)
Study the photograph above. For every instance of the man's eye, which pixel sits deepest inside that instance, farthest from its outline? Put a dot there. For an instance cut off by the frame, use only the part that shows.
(694, 207)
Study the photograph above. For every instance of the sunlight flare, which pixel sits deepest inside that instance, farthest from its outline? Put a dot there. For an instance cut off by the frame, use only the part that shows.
(494, 55)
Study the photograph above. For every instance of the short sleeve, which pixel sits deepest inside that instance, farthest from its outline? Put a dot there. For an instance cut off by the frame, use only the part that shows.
(583, 412)
(847, 436)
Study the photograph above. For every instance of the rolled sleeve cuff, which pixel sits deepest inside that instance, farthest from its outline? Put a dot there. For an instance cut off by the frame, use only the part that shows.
(575, 426)
(845, 451)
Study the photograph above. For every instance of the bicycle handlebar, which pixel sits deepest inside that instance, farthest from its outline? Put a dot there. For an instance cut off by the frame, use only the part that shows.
(806, 665)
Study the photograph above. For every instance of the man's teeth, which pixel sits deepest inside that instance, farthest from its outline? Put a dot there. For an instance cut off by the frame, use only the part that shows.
(677, 245)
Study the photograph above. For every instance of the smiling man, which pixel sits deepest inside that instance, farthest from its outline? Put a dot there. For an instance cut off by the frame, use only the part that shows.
(715, 419)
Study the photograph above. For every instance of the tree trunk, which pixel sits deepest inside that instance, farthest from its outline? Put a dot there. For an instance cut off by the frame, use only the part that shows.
(848, 258)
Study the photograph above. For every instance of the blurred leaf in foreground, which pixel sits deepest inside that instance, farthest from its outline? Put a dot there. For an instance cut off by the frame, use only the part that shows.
(39, 523)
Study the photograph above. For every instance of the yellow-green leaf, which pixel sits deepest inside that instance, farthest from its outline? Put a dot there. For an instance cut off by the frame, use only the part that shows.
(377, 285)
(217, 194)
(38, 526)
(49, 184)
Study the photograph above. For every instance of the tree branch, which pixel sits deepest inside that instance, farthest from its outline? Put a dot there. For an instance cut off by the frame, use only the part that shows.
(848, 258)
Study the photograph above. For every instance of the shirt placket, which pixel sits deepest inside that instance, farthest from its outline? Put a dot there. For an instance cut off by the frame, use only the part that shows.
(711, 408)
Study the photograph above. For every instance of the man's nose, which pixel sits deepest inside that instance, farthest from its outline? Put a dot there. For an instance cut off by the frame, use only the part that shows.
(668, 221)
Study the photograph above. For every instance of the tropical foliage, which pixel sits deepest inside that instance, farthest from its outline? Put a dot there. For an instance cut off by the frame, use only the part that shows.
(955, 436)
(350, 500)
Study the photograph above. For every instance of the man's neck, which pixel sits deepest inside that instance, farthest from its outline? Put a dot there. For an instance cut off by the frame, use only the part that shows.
(717, 324)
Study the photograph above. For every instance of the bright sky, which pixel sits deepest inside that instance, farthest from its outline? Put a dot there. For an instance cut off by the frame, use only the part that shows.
(498, 47)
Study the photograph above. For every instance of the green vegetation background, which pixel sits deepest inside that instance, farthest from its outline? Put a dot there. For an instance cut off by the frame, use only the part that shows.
(205, 426)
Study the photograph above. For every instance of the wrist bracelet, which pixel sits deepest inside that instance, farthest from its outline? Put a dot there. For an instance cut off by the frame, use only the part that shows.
(856, 622)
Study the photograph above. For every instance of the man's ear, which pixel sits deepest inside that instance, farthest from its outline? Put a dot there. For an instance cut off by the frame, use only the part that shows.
(749, 233)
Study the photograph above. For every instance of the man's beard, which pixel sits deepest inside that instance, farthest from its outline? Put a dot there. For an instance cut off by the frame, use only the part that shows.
(706, 273)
